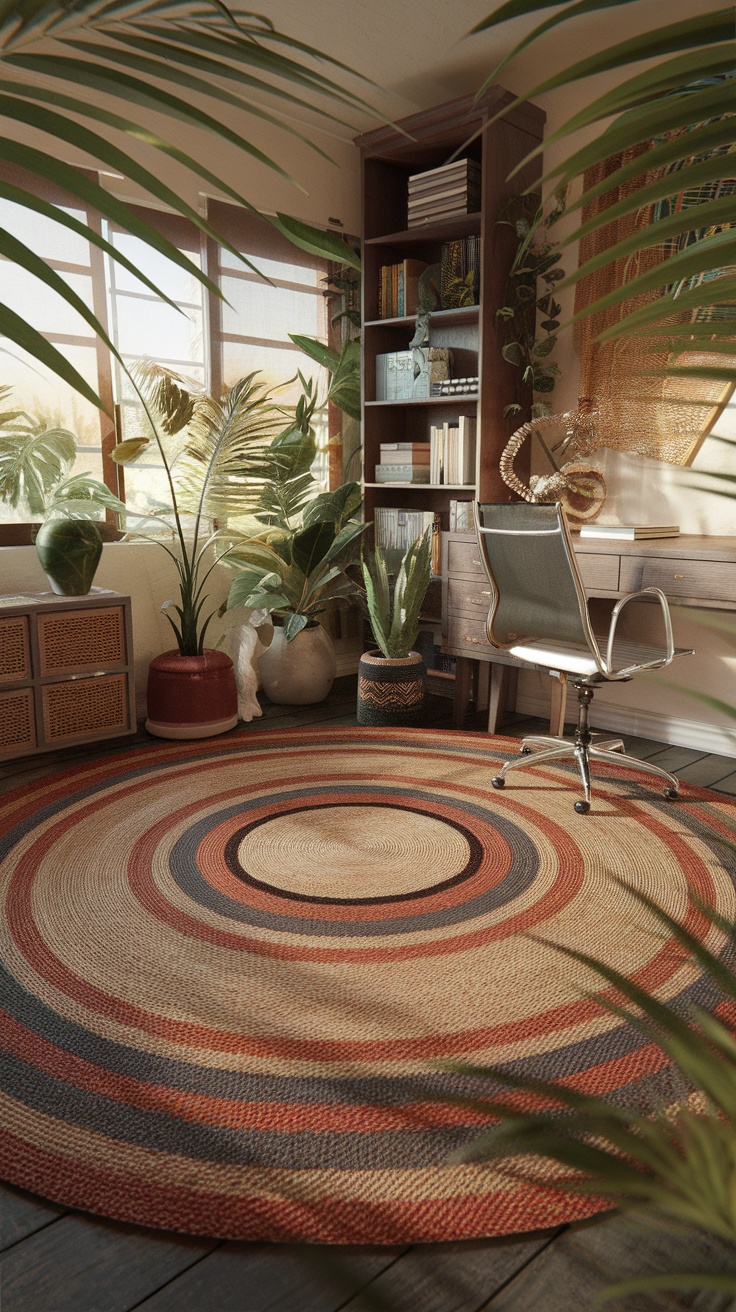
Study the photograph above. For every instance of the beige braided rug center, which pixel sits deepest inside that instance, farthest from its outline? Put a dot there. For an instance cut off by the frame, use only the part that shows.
(232, 975)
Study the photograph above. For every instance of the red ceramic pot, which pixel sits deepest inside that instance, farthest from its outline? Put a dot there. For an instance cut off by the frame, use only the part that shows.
(191, 696)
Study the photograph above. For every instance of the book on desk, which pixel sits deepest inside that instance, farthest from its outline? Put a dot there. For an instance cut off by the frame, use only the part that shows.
(629, 532)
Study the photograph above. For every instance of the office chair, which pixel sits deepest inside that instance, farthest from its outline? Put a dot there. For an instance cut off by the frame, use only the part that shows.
(539, 613)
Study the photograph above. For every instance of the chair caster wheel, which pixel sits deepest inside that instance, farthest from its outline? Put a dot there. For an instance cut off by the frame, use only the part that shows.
(526, 751)
(582, 808)
(671, 793)
(498, 781)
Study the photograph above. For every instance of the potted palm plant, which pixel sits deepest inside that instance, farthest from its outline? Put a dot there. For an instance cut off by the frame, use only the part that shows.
(296, 567)
(215, 456)
(392, 680)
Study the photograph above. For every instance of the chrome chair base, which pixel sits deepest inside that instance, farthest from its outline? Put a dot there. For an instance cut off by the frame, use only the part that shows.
(583, 749)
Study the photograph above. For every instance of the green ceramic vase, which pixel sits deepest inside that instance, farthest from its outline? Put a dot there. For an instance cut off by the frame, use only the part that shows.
(69, 551)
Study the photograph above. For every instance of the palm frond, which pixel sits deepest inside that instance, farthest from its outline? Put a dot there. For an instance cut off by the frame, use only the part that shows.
(178, 61)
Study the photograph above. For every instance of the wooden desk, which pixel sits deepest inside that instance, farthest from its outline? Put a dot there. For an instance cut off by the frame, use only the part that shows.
(690, 570)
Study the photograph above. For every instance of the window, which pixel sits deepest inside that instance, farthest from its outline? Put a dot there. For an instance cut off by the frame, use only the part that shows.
(214, 342)
(250, 329)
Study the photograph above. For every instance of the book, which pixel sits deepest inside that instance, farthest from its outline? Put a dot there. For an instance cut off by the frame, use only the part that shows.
(402, 473)
(405, 446)
(629, 532)
(418, 456)
(456, 168)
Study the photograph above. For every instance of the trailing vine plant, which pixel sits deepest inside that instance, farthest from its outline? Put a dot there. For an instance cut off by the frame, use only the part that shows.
(534, 273)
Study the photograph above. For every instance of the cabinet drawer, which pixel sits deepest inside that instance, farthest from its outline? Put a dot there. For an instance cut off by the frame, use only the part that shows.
(15, 650)
(598, 571)
(17, 722)
(708, 580)
(463, 559)
(85, 708)
(468, 596)
(466, 636)
(74, 642)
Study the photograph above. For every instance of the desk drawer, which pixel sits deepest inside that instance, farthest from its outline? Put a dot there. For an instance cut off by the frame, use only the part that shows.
(706, 580)
(468, 596)
(598, 571)
(463, 559)
(466, 636)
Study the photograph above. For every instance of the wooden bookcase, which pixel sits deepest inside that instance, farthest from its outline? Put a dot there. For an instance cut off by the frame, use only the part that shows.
(389, 156)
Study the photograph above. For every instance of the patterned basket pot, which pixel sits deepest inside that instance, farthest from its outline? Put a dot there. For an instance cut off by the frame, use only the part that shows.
(391, 691)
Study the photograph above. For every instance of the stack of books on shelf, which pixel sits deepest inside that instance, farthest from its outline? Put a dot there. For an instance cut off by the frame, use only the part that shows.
(460, 273)
(452, 452)
(403, 462)
(444, 192)
(398, 288)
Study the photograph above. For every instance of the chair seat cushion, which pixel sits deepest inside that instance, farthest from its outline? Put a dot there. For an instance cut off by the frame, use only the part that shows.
(574, 659)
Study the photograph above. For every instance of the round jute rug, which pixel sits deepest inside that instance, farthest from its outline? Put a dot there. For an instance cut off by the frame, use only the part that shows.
(231, 974)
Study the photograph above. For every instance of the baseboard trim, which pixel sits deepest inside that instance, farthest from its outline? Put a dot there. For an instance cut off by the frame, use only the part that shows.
(645, 724)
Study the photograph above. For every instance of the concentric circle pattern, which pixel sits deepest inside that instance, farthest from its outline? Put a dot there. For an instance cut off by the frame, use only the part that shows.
(232, 976)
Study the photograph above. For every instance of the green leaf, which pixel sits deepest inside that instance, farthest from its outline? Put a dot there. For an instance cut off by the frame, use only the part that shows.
(129, 450)
(293, 624)
(20, 332)
(311, 544)
(315, 241)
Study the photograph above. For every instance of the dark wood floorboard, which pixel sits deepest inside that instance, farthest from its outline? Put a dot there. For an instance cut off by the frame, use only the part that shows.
(243, 1277)
(55, 1260)
(571, 1273)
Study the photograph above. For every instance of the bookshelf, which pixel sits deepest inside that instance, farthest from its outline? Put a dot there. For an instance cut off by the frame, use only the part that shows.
(389, 156)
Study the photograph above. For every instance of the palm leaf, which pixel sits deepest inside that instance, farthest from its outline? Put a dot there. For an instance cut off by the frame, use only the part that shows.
(33, 460)
(169, 58)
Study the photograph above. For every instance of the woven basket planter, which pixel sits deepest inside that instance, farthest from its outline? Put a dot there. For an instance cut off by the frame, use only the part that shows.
(391, 692)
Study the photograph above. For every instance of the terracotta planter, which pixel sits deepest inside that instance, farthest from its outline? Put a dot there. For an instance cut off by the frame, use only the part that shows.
(299, 672)
(391, 692)
(191, 696)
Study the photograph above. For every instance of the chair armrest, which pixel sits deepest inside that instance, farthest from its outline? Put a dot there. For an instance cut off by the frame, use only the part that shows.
(666, 658)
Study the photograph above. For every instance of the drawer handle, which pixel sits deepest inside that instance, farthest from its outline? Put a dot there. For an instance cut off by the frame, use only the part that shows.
(475, 561)
(678, 576)
(486, 594)
(477, 641)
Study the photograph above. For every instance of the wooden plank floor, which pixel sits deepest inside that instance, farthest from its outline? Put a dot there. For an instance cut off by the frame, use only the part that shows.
(56, 1260)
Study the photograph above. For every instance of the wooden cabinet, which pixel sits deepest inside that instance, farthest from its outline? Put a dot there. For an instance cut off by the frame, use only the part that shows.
(66, 670)
(389, 156)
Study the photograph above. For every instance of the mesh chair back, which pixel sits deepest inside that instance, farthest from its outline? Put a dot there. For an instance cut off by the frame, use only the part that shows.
(537, 592)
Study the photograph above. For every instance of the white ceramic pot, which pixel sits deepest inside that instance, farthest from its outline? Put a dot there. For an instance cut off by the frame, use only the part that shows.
(299, 672)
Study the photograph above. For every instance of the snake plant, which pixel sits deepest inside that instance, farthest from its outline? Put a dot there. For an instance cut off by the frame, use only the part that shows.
(395, 611)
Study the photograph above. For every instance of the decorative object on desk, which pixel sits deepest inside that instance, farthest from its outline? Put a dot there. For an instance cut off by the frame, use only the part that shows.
(535, 260)
(392, 681)
(578, 485)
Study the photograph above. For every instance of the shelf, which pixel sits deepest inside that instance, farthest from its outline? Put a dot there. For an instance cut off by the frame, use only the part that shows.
(464, 314)
(456, 399)
(428, 487)
(461, 225)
